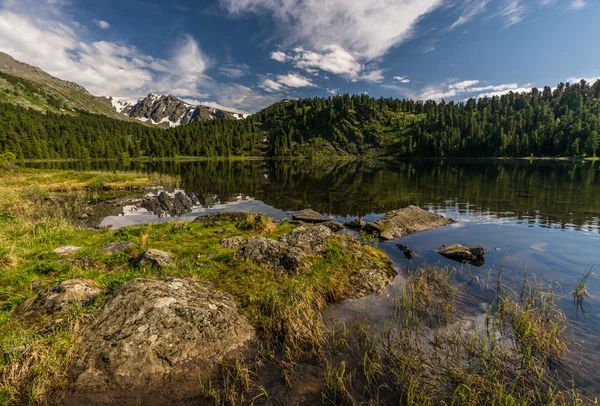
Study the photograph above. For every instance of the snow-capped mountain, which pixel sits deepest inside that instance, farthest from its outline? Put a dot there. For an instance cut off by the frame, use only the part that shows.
(169, 111)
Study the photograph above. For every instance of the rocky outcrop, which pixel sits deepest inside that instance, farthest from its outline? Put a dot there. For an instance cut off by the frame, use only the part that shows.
(58, 298)
(290, 253)
(401, 222)
(470, 255)
(355, 224)
(165, 204)
(310, 216)
(115, 247)
(156, 258)
(157, 338)
(233, 243)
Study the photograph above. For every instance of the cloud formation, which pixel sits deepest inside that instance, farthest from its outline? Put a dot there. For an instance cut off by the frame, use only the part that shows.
(470, 9)
(338, 36)
(104, 25)
(463, 89)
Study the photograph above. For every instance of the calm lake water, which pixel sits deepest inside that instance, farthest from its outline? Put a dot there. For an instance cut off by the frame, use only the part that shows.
(542, 215)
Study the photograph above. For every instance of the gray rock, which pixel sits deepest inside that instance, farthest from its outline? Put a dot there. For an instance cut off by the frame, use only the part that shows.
(59, 298)
(157, 258)
(410, 220)
(290, 253)
(170, 204)
(334, 226)
(115, 247)
(355, 224)
(158, 336)
(309, 216)
(471, 255)
(233, 243)
(66, 250)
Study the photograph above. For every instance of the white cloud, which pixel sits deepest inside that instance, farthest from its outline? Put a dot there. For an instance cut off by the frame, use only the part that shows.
(365, 28)
(471, 9)
(462, 86)
(402, 79)
(513, 12)
(102, 24)
(293, 80)
(577, 5)
(235, 71)
(333, 92)
(375, 76)
(463, 89)
(270, 85)
(587, 79)
(338, 36)
(279, 56)
(332, 58)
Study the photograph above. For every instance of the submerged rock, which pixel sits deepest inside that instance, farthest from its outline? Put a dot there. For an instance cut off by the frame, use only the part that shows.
(471, 255)
(401, 222)
(355, 224)
(115, 247)
(157, 338)
(66, 250)
(310, 216)
(59, 298)
(406, 251)
(157, 258)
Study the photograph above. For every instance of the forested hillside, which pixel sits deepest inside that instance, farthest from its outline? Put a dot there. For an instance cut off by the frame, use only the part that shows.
(564, 121)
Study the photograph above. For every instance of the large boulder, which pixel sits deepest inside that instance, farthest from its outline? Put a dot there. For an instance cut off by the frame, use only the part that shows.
(157, 339)
(470, 255)
(401, 222)
(355, 224)
(291, 251)
(310, 216)
(58, 298)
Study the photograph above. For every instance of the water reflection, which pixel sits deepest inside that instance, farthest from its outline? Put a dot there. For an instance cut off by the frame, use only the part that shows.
(547, 194)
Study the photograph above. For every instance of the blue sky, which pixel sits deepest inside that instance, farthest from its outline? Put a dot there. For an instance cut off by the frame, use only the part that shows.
(247, 54)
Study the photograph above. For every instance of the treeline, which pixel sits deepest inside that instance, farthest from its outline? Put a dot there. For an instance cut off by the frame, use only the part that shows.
(31, 134)
(564, 121)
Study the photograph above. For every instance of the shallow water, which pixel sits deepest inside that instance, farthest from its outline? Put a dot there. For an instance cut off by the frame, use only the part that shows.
(542, 216)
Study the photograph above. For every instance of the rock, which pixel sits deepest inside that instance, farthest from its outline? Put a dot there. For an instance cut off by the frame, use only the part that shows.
(233, 243)
(158, 338)
(333, 226)
(115, 247)
(165, 204)
(291, 251)
(406, 251)
(355, 224)
(370, 281)
(82, 262)
(35, 285)
(471, 255)
(310, 216)
(157, 258)
(410, 220)
(66, 250)
(58, 298)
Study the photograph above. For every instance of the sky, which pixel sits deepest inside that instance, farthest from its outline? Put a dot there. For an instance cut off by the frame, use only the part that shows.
(247, 54)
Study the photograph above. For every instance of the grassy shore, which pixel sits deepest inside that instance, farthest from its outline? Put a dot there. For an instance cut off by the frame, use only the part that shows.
(428, 354)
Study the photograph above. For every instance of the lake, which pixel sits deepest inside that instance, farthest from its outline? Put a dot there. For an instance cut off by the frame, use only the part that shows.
(539, 218)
